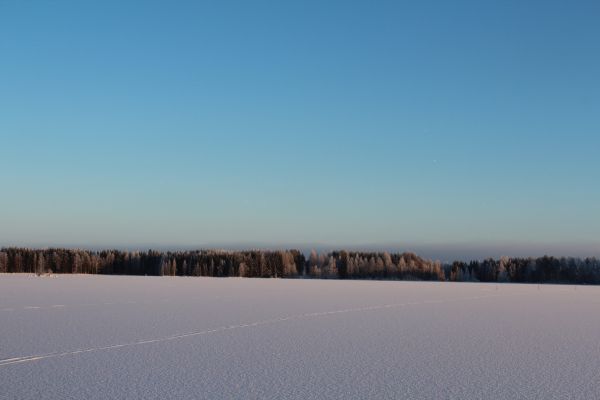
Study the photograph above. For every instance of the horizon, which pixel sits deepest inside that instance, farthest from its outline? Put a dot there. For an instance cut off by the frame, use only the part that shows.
(457, 129)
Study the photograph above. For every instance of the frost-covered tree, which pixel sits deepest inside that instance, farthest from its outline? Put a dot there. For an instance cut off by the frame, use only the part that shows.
(330, 268)
(288, 263)
(350, 267)
(502, 272)
(315, 271)
(3, 262)
(257, 263)
(76, 265)
(379, 267)
(184, 268)
(243, 270)
(401, 266)
(313, 259)
(41, 264)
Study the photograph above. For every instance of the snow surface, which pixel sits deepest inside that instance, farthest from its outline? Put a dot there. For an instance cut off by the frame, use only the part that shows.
(114, 337)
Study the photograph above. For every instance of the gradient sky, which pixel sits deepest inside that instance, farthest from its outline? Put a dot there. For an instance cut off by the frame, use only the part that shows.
(452, 123)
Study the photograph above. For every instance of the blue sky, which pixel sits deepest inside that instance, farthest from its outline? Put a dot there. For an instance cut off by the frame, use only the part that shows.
(465, 123)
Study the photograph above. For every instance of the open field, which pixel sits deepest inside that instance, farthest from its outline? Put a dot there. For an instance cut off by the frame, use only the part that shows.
(115, 337)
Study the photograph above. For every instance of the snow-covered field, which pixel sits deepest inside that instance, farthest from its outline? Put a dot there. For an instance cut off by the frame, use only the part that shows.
(111, 337)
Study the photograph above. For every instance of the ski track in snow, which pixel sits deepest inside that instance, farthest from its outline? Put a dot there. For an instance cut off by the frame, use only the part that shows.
(31, 358)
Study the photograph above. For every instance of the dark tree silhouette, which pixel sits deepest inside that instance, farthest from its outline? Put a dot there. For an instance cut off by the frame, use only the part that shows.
(293, 264)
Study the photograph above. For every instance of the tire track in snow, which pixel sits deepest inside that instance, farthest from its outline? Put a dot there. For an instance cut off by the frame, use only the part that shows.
(31, 358)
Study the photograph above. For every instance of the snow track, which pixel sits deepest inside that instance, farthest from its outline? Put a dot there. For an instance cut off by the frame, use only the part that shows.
(100, 337)
(39, 357)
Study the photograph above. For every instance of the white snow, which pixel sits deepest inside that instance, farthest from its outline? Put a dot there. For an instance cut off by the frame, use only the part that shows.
(112, 337)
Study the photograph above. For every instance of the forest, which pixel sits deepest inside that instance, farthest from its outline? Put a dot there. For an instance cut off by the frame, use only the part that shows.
(294, 264)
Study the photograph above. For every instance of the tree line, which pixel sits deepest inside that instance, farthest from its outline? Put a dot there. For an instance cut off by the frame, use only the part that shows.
(294, 264)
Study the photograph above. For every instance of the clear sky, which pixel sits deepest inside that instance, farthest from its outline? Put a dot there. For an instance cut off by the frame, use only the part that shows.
(425, 123)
